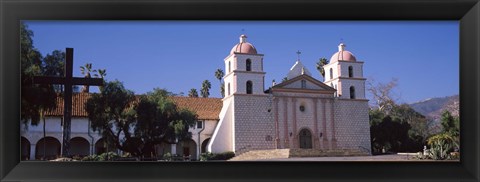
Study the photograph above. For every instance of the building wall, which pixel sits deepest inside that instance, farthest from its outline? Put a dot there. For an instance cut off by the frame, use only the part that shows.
(222, 138)
(359, 88)
(312, 118)
(257, 62)
(356, 68)
(254, 125)
(79, 128)
(238, 80)
(352, 123)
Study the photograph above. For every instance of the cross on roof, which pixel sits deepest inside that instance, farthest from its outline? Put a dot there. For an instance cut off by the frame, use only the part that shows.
(68, 80)
(298, 54)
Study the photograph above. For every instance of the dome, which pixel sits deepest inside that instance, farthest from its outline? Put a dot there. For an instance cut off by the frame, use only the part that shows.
(342, 55)
(243, 47)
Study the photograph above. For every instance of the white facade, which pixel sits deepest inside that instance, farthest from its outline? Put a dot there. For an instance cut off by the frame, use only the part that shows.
(53, 129)
(301, 112)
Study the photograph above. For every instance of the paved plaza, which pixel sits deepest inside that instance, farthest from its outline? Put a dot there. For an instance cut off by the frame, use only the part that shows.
(376, 158)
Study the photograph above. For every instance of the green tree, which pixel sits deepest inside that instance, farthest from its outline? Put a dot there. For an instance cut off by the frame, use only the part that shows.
(160, 120)
(54, 65)
(320, 66)
(450, 124)
(136, 124)
(219, 75)
(112, 114)
(35, 98)
(205, 91)
(193, 93)
(391, 135)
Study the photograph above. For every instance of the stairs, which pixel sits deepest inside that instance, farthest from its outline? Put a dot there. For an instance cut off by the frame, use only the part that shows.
(326, 153)
(262, 154)
(294, 153)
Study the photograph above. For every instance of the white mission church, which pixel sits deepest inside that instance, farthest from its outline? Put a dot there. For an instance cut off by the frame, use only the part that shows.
(300, 113)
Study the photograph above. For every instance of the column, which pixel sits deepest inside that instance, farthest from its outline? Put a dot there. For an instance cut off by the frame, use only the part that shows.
(277, 132)
(316, 144)
(294, 128)
(174, 148)
(332, 120)
(32, 151)
(285, 123)
(324, 125)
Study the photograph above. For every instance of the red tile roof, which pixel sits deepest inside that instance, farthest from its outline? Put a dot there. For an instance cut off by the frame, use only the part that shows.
(206, 108)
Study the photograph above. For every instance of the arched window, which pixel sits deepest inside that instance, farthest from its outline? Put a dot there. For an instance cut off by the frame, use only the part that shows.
(249, 65)
(304, 84)
(352, 92)
(228, 88)
(249, 87)
(229, 67)
(331, 73)
(350, 71)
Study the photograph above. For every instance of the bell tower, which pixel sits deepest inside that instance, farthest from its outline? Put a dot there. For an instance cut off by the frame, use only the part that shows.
(244, 70)
(345, 74)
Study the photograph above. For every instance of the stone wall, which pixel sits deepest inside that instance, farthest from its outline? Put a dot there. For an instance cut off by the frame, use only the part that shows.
(352, 124)
(254, 124)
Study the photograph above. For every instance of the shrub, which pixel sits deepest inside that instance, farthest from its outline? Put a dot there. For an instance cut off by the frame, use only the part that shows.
(441, 145)
(216, 156)
(167, 157)
(102, 157)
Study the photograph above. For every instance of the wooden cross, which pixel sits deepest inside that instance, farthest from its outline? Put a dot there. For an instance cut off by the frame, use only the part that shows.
(68, 80)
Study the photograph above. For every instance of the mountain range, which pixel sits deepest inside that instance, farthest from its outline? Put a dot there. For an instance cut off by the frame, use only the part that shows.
(433, 107)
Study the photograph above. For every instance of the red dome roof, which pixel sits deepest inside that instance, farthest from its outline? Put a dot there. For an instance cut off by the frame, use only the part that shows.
(243, 47)
(342, 54)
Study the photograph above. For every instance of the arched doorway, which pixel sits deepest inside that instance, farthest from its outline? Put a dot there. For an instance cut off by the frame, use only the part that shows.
(25, 148)
(305, 139)
(47, 148)
(204, 145)
(101, 147)
(79, 147)
(187, 148)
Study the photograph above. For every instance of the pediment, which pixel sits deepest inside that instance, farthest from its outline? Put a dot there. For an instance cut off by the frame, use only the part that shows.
(310, 84)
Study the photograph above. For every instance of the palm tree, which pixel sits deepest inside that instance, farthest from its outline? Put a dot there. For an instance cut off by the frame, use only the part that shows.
(320, 64)
(193, 93)
(101, 74)
(205, 91)
(219, 75)
(86, 70)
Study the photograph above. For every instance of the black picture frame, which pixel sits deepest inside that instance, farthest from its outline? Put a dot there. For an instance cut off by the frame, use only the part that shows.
(467, 12)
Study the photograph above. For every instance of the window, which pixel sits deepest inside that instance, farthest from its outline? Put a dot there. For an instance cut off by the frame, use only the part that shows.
(199, 124)
(228, 88)
(229, 67)
(352, 92)
(249, 65)
(331, 73)
(350, 71)
(304, 84)
(249, 87)
(302, 108)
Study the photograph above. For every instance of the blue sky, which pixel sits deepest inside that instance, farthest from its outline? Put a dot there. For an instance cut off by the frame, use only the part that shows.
(179, 55)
